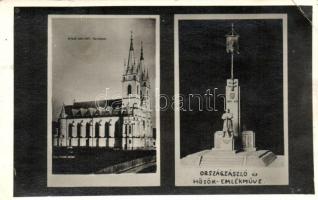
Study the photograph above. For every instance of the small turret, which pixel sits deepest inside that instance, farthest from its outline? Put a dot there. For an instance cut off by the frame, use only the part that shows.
(63, 113)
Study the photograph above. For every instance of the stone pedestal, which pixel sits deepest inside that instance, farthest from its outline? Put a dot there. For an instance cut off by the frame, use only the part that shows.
(219, 158)
(223, 143)
(232, 94)
(248, 140)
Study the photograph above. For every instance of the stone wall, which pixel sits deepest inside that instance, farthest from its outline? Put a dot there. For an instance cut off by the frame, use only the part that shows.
(134, 133)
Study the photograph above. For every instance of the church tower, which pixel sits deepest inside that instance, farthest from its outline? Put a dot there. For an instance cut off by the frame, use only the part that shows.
(145, 83)
(131, 80)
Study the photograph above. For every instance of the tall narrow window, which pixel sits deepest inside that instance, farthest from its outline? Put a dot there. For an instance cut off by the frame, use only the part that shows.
(107, 129)
(70, 130)
(129, 90)
(97, 129)
(129, 128)
(79, 127)
(88, 130)
(137, 89)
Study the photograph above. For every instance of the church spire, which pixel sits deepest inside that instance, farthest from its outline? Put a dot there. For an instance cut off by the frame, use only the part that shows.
(131, 41)
(141, 62)
(141, 52)
(131, 56)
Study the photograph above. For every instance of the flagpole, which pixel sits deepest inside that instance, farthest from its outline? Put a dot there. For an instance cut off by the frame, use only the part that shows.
(232, 56)
(232, 59)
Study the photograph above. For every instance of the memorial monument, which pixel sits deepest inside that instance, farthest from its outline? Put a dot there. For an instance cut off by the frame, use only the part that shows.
(232, 146)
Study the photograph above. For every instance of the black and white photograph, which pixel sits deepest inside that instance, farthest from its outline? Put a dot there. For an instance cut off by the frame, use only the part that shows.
(231, 123)
(134, 99)
(102, 101)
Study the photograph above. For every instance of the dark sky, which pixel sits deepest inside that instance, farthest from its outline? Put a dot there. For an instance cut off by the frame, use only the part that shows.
(259, 68)
(83, 69)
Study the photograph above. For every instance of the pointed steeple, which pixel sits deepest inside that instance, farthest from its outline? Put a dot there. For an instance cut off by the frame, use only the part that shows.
(141, 52)
(131, 41)
(131, 56)
(63, 113)
(141, 65)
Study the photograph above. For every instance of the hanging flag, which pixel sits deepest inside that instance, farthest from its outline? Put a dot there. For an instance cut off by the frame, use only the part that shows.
(232, 45)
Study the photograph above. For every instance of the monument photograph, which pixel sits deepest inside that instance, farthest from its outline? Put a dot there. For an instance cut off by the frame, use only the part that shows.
(103, 80)
(231, 124)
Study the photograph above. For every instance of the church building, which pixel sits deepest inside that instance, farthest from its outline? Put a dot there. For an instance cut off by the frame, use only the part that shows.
(114, 123)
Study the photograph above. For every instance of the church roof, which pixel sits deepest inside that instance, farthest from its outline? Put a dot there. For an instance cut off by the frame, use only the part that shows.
(99, 108)
(102, 103)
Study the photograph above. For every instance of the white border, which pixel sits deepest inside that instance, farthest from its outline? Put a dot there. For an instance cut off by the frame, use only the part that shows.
(6, 86)
(99, 180)
(182, 172)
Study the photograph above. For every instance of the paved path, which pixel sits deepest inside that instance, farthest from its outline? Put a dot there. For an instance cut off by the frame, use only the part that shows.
(139, 168)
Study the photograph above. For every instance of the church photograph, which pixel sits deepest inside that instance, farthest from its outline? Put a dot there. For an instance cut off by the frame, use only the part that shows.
(240, 128)
(168, 99)
(103, 95)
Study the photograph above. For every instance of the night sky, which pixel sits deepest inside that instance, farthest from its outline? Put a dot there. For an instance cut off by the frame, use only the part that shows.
(204, 64)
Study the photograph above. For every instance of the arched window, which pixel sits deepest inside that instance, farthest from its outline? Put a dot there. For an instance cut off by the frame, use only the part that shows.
(97, 129)
(70, 130)
(129, 89)
(137, 89)
(144, 124)
(107, 129)
(126, 129)
(79, 127)
(88, 130)
(118, 129)
(129, 129)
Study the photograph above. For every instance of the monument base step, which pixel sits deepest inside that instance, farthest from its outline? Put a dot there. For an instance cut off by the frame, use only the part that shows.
(249, 149)
(219, 158)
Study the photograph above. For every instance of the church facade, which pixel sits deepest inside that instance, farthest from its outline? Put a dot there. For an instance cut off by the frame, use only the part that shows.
(114, 123)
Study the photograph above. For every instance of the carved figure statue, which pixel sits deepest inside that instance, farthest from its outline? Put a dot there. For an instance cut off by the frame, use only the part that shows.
(227, 124)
